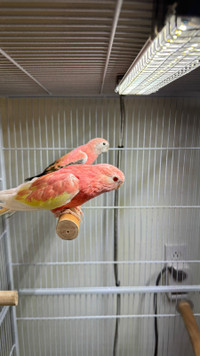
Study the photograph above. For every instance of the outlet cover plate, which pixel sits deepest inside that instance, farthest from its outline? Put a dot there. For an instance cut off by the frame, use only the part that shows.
(175, 252)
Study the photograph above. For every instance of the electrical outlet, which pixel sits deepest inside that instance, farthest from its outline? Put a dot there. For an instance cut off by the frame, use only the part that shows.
(175, 252)
(175, 255)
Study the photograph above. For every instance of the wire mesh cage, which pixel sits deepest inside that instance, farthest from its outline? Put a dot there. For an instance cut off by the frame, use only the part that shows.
(69, 302)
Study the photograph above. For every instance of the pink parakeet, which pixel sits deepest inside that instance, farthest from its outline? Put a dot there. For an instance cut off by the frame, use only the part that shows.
(69, 187)
(87, 153)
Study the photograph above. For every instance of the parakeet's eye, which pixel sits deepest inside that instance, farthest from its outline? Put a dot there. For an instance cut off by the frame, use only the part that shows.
(104, 143)
(115, 179)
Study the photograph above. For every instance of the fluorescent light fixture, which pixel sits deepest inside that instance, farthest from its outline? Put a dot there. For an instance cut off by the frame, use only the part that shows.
(174, 52)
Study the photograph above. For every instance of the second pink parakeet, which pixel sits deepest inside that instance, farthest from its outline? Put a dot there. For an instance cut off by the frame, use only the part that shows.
(85, 154)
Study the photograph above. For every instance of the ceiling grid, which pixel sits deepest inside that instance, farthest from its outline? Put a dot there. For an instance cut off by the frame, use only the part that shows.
(74, 47)
(64, 45)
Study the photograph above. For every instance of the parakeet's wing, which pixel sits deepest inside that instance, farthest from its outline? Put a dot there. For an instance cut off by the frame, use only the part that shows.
(73, 157)
(48, 192)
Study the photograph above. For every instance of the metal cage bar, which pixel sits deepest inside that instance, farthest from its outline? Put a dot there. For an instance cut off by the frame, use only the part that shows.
(6, 271)
(61, 283)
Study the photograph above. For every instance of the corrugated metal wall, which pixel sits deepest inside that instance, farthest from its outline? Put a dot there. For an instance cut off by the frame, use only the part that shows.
(158, 203)
(71, 47)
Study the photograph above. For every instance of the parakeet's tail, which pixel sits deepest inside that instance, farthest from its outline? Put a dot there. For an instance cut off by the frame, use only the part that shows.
(28, 179)
(7, 203)
(51, 169)
(37, 176)
(4, 195)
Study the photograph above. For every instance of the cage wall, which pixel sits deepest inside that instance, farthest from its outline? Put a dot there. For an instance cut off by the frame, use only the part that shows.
(158, 204)
(8, 327)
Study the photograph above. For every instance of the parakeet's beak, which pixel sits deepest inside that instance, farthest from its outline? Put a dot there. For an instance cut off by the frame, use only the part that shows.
(107, 147)
(120, 185)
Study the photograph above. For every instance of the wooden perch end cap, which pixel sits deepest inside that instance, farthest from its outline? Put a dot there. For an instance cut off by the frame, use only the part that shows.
(67, 227)
(8, 297)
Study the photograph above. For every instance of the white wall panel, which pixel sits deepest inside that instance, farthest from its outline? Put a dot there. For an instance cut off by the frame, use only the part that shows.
(158, 204)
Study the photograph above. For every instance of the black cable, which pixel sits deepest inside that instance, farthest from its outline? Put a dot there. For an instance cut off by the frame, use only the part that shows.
(116, 272)
(160, 11)
(155, 310)
(122, 120)
(118, 311)
(178, 276)
(116, 200)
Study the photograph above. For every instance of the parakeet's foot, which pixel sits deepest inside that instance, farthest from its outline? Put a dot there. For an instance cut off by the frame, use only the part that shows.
(78, 209)
(73, 211)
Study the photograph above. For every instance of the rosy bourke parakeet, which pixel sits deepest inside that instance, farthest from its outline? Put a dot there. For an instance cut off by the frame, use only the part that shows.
(68, 187)
(87, 153)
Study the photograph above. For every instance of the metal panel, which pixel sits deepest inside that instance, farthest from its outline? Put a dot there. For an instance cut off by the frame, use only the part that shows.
(67, 45)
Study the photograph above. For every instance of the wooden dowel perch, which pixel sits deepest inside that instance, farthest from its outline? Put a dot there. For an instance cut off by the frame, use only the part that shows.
(8, 297)
(68, 226)
(191, 325)
(3, 210)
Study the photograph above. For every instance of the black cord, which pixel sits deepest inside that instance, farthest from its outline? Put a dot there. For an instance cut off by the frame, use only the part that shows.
(118, 311)
(116, 200)
(178, 276)
(116, 272)
(155, 310)
(122, 120)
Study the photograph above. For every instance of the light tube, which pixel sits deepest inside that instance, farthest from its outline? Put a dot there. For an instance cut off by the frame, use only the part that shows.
(174, 52)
